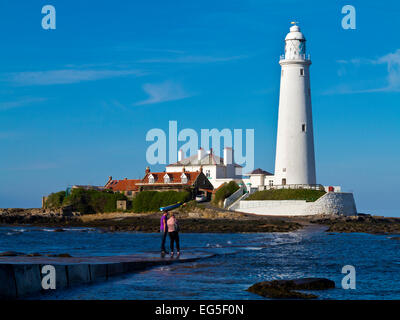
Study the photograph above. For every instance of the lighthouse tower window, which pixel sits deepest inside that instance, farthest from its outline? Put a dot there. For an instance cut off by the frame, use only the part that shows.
(302, 72)
(303, 127)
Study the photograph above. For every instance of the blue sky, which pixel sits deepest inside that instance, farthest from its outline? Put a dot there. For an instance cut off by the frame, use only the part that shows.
(76, 102)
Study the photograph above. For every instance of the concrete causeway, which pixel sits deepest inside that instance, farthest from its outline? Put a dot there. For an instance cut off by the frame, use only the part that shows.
(21, 276)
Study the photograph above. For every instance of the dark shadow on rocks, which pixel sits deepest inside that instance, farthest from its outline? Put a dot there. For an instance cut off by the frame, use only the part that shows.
(284, 289)
(11, 254)
(60, 255)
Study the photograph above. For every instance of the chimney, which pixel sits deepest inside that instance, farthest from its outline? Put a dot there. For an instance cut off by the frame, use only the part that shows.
(201, 168)
(200, 154)
(228, 156)
(109, 180)
(147, 170)
(180, 155)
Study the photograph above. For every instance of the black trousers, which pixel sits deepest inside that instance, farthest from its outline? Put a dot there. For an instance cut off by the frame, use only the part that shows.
(174, 237)
(163, 238)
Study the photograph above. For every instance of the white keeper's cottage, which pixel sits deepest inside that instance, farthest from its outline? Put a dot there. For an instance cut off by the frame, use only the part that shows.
(218, 170)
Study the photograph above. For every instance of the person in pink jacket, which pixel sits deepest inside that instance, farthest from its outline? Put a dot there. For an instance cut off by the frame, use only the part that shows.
(173, 229)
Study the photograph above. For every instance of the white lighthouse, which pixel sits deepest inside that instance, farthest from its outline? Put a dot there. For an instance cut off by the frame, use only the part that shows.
(295, 160)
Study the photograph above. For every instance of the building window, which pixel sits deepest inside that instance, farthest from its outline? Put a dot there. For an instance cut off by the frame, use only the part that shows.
(302, 72)
(303, 127)
(184, 179)
(284, 170)
(208, 174)
(284, 181)
(129, 193)
(271, 183)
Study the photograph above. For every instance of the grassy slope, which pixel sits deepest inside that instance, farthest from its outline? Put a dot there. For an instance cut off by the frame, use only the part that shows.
(287, 194)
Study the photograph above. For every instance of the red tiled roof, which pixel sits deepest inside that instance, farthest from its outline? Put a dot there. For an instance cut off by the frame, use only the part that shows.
(123, 185)
(175, 177)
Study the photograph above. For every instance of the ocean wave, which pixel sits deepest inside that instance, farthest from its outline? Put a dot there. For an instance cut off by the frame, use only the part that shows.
(19, 230)
(213, 245)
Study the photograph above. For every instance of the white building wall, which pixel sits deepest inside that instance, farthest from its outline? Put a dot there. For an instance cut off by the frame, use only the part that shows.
(194, 168)
(332, 203)
(267, 179)
(257, 180)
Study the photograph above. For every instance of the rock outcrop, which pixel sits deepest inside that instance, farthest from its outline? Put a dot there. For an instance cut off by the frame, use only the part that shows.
(284, 289)
(207, 220)
(361, 223)
(28, 216)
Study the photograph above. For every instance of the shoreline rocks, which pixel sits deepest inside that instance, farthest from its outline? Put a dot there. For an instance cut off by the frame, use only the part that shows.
(10, 254)
(199, 220)
(34, 254)
(206, 221)
(189, 225)
(362, 224)
(36, 216)
(285, 289)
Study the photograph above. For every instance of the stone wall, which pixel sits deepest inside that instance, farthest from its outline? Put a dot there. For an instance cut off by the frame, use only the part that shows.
(332, 203)
(336, 203)
(22, 276)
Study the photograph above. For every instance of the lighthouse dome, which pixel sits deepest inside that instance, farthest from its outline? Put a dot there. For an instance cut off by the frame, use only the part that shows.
(295, 34)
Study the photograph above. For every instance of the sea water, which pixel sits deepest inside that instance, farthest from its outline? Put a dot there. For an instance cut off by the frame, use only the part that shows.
(243, 260)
